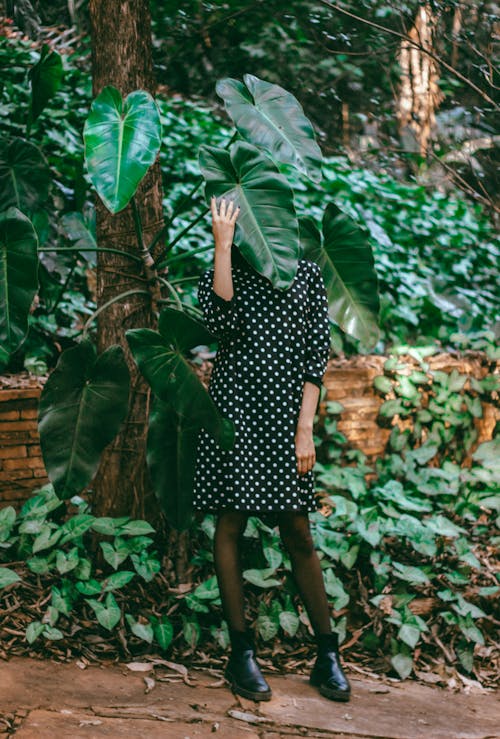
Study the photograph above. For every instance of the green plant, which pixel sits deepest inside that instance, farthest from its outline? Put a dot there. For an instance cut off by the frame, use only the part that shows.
(122, 140)
(60, 550)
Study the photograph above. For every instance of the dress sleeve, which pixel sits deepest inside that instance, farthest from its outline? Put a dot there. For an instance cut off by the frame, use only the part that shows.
(220, 315)
(318, 329)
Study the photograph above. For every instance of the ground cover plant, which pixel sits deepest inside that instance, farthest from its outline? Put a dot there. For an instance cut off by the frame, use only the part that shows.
(407, 545)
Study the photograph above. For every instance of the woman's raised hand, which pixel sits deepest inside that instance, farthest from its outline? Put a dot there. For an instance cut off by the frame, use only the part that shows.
(223, 223)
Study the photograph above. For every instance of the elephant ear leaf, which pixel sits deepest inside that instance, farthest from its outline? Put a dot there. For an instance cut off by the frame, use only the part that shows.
(122, 139)
(348, 269)
(18, 279)
(45, 77)
(82, 406)
(182, 330)
(271, 118)
(267, 227)
(24, 176)
(173, 379)
(171, 459)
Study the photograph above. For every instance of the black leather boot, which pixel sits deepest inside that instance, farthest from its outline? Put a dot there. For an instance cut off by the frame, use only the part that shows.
(242, 671)
(327, 673)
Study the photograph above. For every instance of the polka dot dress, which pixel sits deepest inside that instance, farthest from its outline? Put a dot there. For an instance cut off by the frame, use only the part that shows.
(269, 342)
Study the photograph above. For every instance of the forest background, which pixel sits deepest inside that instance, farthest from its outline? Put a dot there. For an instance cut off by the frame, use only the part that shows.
(403, 100)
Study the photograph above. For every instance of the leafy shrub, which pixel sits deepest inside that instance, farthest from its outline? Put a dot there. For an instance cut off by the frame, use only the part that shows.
(405, 546)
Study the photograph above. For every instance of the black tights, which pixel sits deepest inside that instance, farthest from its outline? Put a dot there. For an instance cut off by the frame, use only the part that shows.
(306, 569)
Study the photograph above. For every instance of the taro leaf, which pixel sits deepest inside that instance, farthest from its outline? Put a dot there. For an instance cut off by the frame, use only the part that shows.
(411, 574)
(81, 233)
(18, 279)
(82, 406)
(261, 578)
(346, 261)
(161, 360)
(90, 587)
(145, 565)
(143, 631)
(403, 664)
(53, 634)
(111, 556)
(270, 117)
(164, 632)
(289, 622)
(171, 459)
(67, 561)
(24, 176)
(267, 228)
(191, 631)
(122, 139)
(335, 590)
(107, 614)
(75, 527)
(136, 528)
(409, 634)
(8, 577)
(34, 630)
(208, 590)
(108, 526)
(45, 78)
(117, 580)
(268, 620)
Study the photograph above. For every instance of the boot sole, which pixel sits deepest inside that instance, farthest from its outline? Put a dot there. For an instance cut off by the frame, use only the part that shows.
(335, 695)
(252, 695)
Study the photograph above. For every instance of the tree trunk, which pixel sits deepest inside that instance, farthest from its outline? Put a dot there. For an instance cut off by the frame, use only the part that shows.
(419, 94)
(121, 56)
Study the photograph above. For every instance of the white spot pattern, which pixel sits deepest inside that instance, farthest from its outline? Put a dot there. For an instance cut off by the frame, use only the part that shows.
(269, 342)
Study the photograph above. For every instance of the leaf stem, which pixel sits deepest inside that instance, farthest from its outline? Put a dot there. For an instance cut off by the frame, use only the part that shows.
(110, 302)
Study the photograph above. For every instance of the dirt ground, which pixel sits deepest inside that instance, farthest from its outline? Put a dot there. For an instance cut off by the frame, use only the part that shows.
(49, 700)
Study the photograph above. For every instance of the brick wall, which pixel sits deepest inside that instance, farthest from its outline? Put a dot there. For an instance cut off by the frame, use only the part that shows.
(348, 381)
(21, 463)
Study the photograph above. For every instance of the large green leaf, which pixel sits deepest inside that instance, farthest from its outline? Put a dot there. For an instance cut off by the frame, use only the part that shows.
(347, 265)
(122, 139)
(160, 358)
(45, 77)
(81, 233)
(24, 176)
(82, 406)
(171, 458)
(267, 227)
(18, 278)
(272, 118)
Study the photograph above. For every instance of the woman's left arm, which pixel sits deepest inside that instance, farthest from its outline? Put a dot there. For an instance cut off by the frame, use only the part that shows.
(316, 362)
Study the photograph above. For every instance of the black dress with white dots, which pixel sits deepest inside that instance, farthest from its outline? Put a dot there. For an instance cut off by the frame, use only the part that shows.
(270, 341)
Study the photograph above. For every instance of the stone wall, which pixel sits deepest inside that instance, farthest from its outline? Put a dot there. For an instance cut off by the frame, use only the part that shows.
(348, 381)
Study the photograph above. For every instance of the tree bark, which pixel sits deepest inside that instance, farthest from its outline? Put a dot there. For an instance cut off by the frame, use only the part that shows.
(121, 56)
(419, 94)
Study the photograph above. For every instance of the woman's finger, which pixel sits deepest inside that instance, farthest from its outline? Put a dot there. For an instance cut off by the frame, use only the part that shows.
(230, 209)
(235, 214)
(213, 206)
(223, 208)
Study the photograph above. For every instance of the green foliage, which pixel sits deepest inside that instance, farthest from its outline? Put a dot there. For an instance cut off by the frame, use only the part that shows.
(80, 587)
(413, 529)
(267, 228)
(80, 393)
(122, 139)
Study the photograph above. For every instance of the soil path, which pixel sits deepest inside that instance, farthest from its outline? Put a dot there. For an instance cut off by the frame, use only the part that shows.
(48, 700)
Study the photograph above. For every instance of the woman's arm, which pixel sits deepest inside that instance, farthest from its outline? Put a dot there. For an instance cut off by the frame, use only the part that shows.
(223, 224)
(304, 444)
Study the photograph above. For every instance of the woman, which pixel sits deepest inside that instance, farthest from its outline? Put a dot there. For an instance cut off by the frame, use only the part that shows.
(272, 355)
